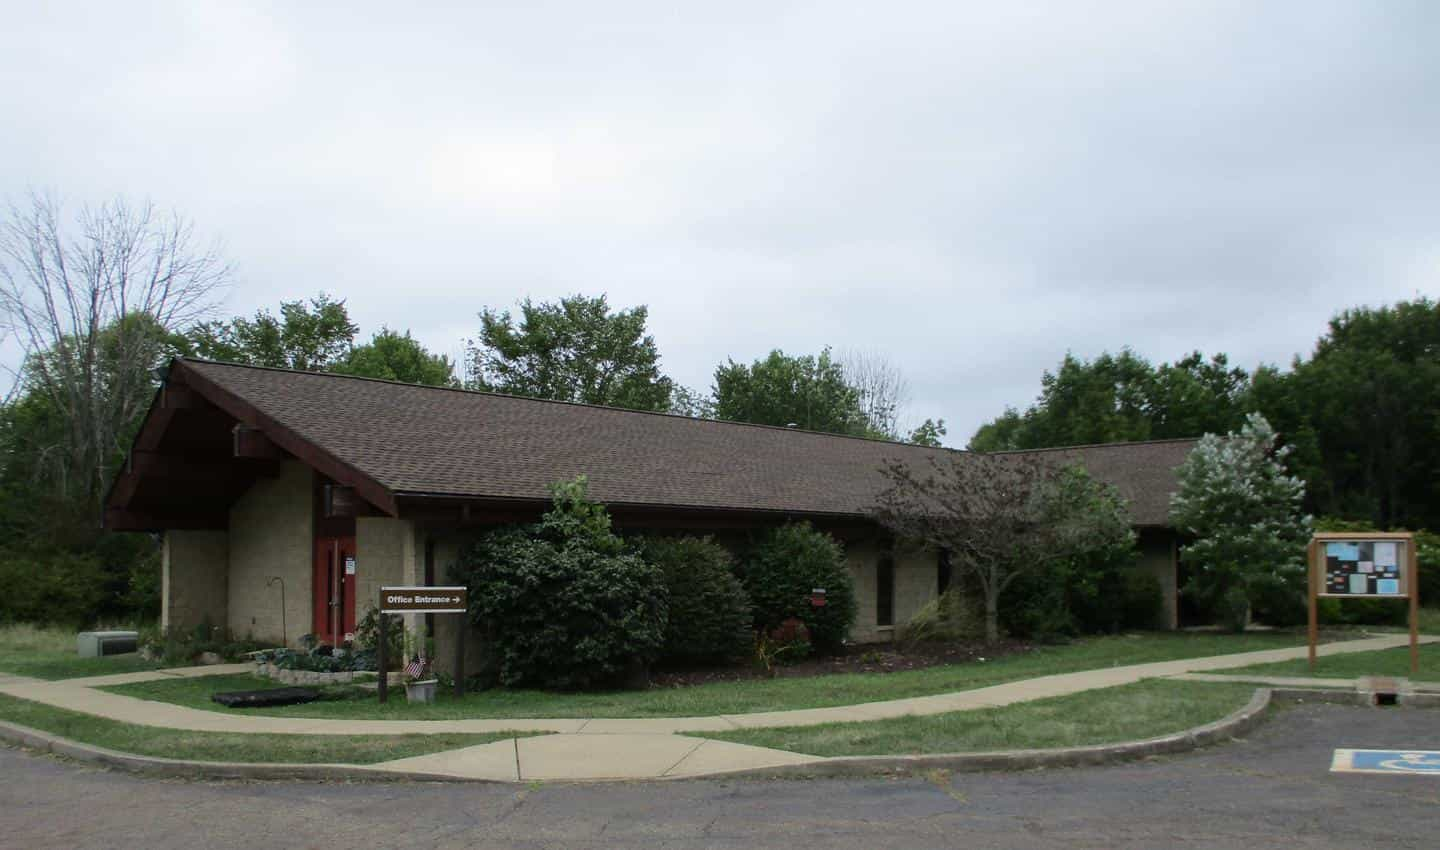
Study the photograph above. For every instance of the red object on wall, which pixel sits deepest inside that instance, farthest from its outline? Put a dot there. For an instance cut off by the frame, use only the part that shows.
(334, 590)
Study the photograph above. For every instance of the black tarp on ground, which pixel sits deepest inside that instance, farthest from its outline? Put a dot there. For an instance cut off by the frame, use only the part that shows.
(268, 697)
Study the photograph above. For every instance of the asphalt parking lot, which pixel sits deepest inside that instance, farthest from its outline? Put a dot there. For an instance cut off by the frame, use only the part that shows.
(1274, 789)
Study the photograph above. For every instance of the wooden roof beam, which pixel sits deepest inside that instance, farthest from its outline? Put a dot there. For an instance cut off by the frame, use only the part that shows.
(252, 443)
(117, 519)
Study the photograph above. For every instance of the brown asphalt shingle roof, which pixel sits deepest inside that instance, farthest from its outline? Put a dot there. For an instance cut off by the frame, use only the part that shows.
(428, 440)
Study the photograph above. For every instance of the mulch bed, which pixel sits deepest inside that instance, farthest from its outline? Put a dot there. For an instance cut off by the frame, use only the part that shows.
(872, 658)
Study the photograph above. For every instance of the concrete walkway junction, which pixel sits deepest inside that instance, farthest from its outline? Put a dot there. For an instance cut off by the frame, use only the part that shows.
(625, 748)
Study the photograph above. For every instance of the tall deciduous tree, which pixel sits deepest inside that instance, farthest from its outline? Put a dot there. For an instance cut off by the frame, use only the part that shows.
(310, 337)
(575, 350)
(884, 390)
(1244, 511)
(1001, 516)
(807, 391)
(928, 433)
(91, 302)
(397, 357)
(687, 402)
(1363, 414)
(1122, 397)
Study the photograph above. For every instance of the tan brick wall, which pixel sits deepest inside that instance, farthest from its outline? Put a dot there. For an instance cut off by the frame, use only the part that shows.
(447, 626)
(271, 534)
(860, 558)
(194, 578)
(388, 551)
(1157, 557)
(915, 582)
(915, 577)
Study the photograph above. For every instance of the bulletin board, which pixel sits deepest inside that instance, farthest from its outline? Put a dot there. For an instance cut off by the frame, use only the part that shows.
(1361, 567)
(1369, 565)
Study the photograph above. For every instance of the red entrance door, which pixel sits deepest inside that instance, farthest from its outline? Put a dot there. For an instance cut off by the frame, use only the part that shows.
(334, 620)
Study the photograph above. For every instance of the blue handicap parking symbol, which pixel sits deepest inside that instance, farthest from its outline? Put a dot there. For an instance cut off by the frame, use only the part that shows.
(1387, 761)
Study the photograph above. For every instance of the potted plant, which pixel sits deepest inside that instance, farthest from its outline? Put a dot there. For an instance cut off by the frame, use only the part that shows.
(419, 681)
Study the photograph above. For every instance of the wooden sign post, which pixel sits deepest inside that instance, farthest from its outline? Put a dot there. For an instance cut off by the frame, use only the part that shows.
(1365, 565)
(423, 600)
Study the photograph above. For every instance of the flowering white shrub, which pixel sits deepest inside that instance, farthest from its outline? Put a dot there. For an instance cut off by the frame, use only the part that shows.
(1244, 514)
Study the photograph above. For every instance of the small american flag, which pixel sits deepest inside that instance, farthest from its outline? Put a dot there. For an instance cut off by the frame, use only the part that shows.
(416, 667)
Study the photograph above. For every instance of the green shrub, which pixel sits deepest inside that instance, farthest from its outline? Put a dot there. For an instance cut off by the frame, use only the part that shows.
(1363, 612)
(1278, 602)
(952, 616)
(1427, 550)
(709, 609)
(1232, 611)
(54, 587)
(1142, 601)
(367, 636)
(561, 603)
(142, 592)
(181, 646)
(1034, 606)
(781, 571)
(1104, 591)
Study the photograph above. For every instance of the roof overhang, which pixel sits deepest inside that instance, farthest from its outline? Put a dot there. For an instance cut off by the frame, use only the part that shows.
(199, 447)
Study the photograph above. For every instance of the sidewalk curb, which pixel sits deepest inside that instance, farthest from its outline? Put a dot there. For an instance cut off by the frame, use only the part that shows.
(1233, 725)
(34, 739)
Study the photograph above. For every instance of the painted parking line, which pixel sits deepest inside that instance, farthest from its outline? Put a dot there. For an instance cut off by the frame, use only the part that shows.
(1387, 761)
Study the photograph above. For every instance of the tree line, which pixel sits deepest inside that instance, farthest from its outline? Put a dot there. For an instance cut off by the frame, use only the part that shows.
(1360, 415)
(97, 302)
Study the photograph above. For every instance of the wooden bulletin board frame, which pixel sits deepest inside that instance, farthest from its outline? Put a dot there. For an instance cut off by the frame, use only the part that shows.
(1409, 582)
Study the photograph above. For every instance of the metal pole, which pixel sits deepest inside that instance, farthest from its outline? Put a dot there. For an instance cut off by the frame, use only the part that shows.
(460, 656)
(284, 631)
(380, 660)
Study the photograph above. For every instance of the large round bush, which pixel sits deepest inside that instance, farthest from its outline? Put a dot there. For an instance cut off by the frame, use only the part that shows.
(782, 570)
(709, 608)
(561, 603)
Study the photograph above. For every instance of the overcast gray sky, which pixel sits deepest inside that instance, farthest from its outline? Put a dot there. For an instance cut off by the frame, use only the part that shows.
(970, 188)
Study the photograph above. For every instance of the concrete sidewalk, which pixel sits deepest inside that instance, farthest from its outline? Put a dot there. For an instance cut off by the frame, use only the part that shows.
(618, 748)
(82, 695)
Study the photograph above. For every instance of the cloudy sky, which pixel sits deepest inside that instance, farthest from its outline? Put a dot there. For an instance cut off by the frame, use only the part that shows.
(970, 188)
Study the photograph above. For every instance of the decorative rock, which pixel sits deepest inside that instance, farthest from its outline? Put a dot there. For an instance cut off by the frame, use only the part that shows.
(210, 658)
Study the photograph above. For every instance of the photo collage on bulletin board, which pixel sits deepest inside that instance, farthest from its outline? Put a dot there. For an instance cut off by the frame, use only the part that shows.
(1363, 568)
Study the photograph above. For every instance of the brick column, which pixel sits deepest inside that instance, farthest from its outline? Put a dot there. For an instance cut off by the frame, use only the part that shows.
(195, 570)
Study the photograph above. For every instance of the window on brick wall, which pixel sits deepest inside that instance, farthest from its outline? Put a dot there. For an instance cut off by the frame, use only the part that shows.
(885, 591)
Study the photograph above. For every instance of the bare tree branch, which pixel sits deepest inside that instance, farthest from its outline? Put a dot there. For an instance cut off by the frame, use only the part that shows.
(884, 390)
(89, 305)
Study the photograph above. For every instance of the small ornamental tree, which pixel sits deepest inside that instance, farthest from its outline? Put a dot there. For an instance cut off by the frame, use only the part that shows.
(1244, 512)
(562, 604)
(781, 572)
(1002, 516)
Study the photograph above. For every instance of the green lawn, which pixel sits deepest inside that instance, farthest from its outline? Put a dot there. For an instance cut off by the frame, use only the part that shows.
(739, 697)
(1385, 662)
(220, 746)
(1129, 712)
(49, 653)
